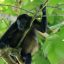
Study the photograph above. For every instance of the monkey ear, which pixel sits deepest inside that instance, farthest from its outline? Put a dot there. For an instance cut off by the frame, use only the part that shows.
(41, 33)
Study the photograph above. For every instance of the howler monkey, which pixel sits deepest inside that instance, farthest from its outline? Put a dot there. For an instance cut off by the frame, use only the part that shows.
(13, 35)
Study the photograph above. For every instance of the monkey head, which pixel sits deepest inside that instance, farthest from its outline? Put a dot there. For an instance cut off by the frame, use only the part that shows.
(23, 22)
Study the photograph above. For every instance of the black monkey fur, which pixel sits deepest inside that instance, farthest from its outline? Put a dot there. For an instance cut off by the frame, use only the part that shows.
(44, 21)
(15, 32)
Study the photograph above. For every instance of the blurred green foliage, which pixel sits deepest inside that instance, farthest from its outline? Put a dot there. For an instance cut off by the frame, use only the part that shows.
(51, 50)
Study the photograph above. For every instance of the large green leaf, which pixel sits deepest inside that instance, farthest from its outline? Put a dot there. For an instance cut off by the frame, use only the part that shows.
(54, 47)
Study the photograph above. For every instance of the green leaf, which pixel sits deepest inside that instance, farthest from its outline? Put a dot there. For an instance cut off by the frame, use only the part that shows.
(54, 47)
(2, 61)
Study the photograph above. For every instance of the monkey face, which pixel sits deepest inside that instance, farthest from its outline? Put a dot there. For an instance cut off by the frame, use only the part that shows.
(23, 21)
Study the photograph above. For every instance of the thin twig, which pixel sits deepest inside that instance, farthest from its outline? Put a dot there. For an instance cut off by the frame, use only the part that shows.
(16, 7)
(32, 9)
